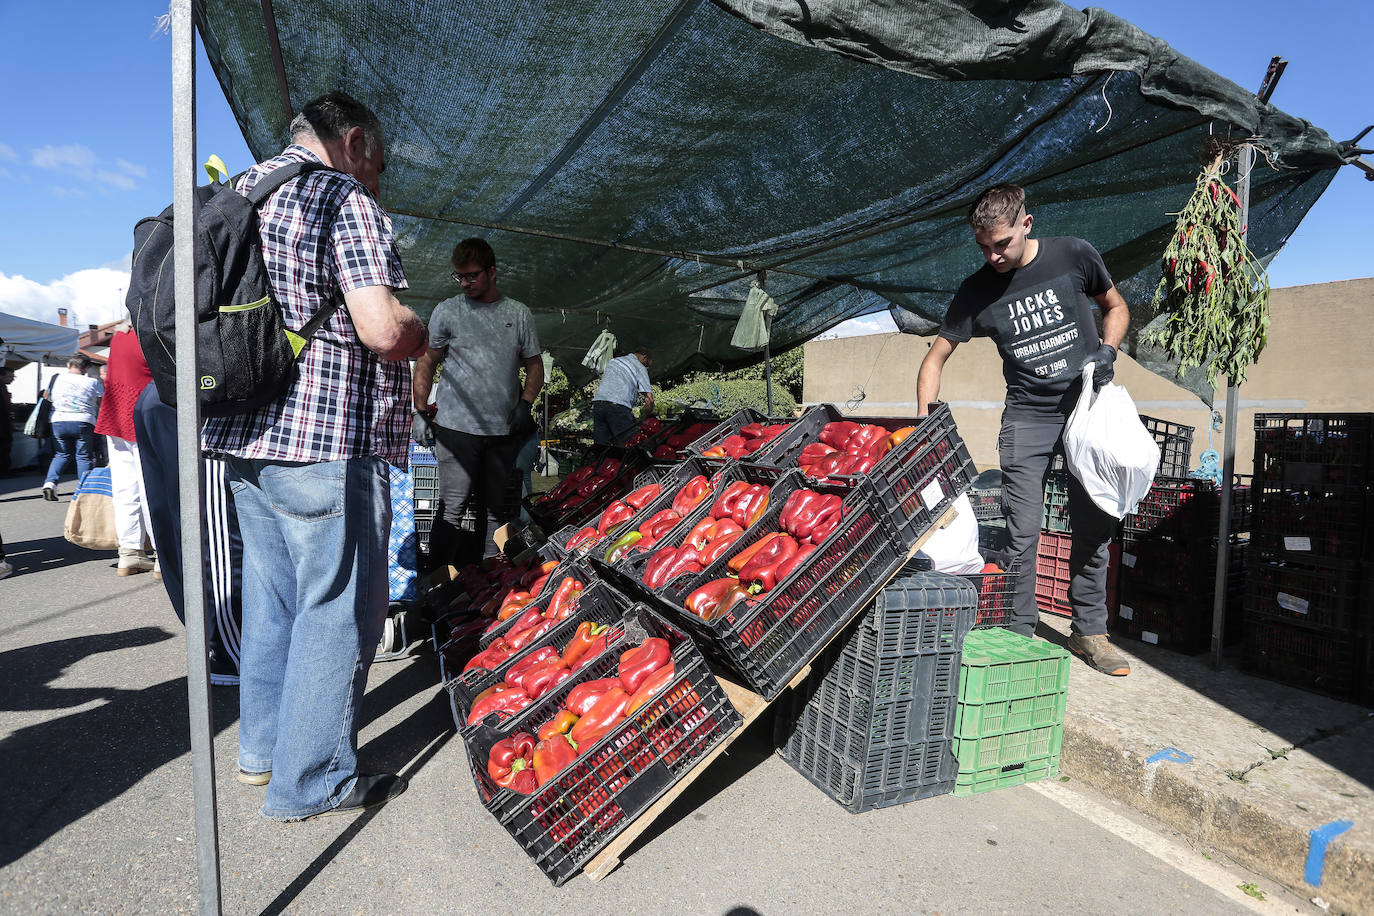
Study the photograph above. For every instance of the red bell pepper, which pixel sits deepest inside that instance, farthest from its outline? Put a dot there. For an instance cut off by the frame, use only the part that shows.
(512, 604)
(798, 511)
(702, 533)
(880, 448)
(651, 687)
(561, 723)
(760, 574)
(692, 493)
(785, 568)
(490, 658)
(536, 659)
(658, 564)
(715, 598)
(581, 641)
(659, 524)
(751, 430)
(584, 538)
(608, 712)
(826, 519)
(609, 467)
(685, 557)
(551, 756)
(643, 660)
(865, 436)
(727, 499)
(504, 703)
(616, 514)
(751, 506)
(813, 452)
(564, 600)
(720, 545)
(644, 495)
(862, 464)
(590, 488)
(601, 644)
(824, 528)
(777, 429)
(715, 451)
(531, 634)
(584, 696)
(542, 680)
(510, 763)
(834, 463)
(738, 561)
(530, 616)
(837, 434)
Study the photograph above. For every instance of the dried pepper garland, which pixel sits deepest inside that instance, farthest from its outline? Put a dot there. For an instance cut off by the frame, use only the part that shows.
(1215, 293)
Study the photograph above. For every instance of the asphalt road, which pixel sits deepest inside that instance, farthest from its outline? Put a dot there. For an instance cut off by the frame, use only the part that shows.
(98, 819)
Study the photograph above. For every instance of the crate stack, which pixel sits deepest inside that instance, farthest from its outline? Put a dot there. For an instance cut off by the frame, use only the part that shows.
(872, 726)
(1307, 617)
(424, 474)
(1009, 722)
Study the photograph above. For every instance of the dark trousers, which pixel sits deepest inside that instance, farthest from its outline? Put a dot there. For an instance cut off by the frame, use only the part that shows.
(1026, 445)
(611, 423)
(155, 426)
(474, 472)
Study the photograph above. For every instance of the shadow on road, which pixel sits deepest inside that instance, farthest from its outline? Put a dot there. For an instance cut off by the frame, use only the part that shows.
(51, 553)
(58, 771)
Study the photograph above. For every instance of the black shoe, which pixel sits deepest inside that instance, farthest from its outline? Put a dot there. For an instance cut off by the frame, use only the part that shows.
(367, 792)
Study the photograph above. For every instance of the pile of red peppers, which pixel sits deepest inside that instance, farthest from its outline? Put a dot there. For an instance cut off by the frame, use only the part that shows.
(579, 486)
(652, 529)
(592, 710)
(531, 621)
(806, 520)
(750, 438)
(536, 673)
(847, 447)
(738, 506)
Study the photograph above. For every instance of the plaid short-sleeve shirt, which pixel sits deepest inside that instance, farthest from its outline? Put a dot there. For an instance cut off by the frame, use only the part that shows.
(324, 234)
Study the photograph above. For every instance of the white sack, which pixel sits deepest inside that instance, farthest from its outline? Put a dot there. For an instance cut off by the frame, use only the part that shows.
(1108, 449)
(954, 548)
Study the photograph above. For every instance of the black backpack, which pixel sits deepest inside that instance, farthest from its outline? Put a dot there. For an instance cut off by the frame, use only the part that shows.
(247, 354)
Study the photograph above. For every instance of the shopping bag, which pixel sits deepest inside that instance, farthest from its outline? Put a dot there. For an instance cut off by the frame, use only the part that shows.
(1108, 449)
(39, 423)
(90, 515)
(954, 548)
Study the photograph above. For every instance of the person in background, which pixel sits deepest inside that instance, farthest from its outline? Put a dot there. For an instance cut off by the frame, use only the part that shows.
(310, 470)
(624, 382)
(126, 375)
(1035, 299)
(6, 420)
(483, 338)
(75, 400)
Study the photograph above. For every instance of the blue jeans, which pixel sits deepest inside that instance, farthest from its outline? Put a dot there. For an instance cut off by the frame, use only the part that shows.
(314, 603)
(73, 439)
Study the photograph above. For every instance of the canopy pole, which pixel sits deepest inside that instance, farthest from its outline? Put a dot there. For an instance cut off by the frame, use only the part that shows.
(190, 489)
(1245, 164)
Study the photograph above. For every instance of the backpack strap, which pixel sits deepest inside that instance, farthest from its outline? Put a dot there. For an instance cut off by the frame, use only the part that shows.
(268, 185)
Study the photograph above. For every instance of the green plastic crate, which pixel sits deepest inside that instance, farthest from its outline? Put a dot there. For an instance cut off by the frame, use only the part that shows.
(1009, 749)
(972, 783)
(980, 720)
(1000, 665)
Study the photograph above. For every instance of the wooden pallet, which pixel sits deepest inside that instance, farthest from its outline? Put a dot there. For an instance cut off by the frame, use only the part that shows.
(750, 705)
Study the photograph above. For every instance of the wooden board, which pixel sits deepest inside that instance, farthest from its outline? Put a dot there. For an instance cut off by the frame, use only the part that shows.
(750, 705)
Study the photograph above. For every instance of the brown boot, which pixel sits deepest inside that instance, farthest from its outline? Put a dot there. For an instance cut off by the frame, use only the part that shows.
(1098, 652)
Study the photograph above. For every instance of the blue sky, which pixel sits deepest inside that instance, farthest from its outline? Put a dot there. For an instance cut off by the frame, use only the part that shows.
(85, 138)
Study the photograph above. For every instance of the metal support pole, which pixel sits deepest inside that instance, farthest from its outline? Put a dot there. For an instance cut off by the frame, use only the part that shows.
(768, 372)
(1245, 164)
(190, 488)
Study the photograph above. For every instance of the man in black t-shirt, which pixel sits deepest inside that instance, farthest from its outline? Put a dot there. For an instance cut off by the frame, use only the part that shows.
(1034, 298)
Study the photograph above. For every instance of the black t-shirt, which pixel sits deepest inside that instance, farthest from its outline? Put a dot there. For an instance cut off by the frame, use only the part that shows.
(1041, 318)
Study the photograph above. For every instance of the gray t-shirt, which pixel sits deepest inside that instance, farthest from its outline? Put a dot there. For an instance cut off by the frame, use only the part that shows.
(480, 382)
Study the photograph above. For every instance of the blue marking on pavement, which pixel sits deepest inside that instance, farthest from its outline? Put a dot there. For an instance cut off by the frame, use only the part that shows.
(1316, 853)
(1169, 753)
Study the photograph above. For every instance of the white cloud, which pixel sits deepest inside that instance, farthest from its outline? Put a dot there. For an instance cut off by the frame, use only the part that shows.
(7, 153)
(92, 296)
(78, 161)
(880, 323)
(65, 191)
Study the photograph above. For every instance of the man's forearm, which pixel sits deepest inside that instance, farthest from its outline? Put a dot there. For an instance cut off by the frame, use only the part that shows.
(1114, 326)
(423, 381)
(534, 380)
(927, 387)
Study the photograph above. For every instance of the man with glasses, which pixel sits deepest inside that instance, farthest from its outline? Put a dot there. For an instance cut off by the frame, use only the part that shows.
(482, 413)
(1035, 299)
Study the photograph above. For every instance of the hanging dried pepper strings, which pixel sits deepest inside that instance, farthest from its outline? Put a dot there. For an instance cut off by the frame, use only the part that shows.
(1214, 291)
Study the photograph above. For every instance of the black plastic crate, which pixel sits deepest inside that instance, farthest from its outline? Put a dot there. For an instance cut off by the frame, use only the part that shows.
(1316, 660)
(1175, 443)
(871, 726)
(1327, 595)
(987, 503)
(1312, 451)
(598, 603)
(1181, 621)
(571, 818)
(567, 567)
(1161, 564)
(731, 425)
(917, 480)
(426, 487)
(993, 536)
(672, 481)
(1187, 510)
(996, 595)
(1312, 526)
(551, 517)
(769, 640)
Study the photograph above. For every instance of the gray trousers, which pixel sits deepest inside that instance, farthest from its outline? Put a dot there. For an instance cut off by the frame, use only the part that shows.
(1026, 445)
(611, 423)
(474, 469)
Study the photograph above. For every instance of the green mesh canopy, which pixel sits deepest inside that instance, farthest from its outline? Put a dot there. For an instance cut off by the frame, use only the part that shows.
(636, 165)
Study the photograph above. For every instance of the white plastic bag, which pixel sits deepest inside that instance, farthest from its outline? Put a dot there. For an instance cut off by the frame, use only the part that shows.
(1108, 449)
(954, 548)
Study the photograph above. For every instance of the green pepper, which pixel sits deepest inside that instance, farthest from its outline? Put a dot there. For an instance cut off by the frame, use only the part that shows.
(621, 545)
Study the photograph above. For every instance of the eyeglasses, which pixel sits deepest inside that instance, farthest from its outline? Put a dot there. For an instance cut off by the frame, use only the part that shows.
(467, 277)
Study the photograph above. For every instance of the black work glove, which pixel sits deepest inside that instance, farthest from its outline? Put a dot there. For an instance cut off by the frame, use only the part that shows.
(521, 420)
(421, 430)
(1102, 360)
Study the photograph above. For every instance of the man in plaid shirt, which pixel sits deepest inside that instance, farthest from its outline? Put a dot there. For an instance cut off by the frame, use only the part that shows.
(309, 471)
